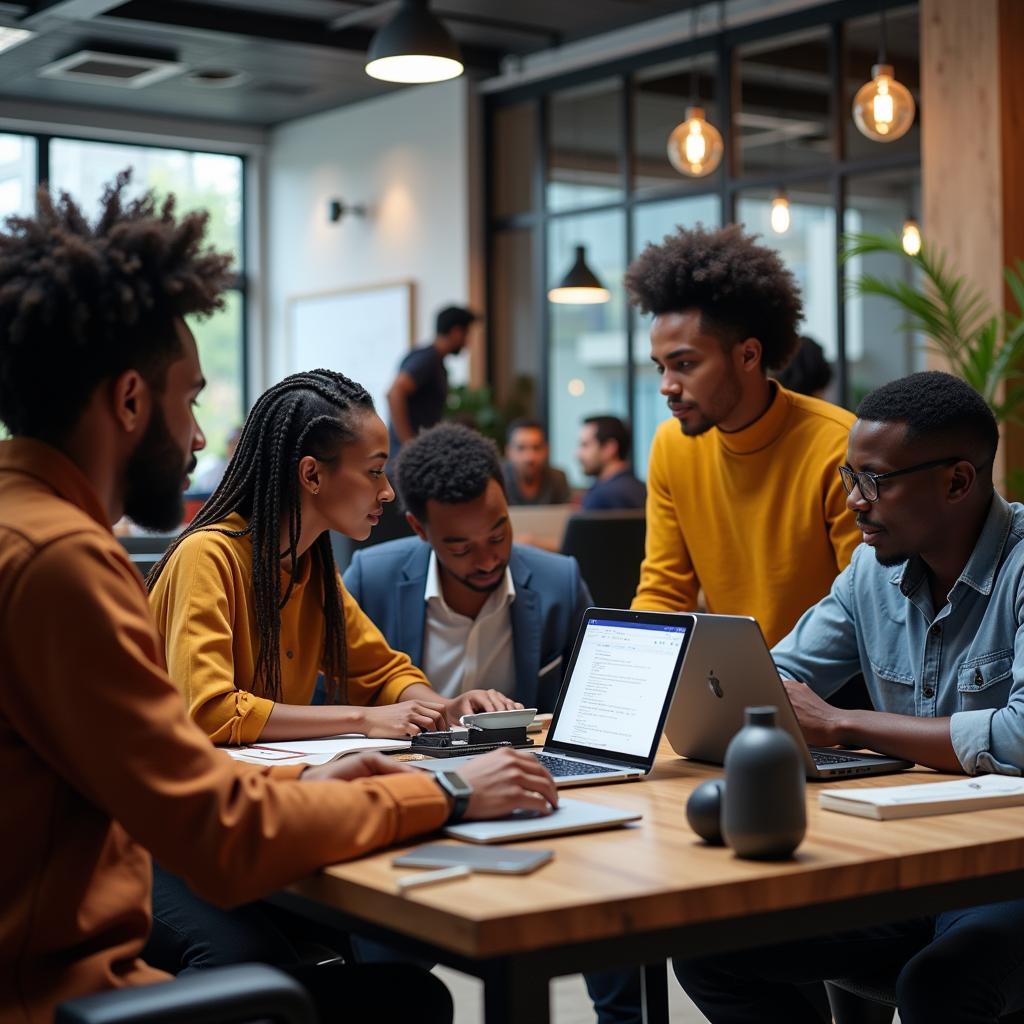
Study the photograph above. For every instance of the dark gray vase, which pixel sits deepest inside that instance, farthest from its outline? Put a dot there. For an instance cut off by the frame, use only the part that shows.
(763, 811)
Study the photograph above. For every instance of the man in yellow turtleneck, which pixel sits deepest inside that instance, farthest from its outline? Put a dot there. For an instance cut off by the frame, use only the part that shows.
(744, 500)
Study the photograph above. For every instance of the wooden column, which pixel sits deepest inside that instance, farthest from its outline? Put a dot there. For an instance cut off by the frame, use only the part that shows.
(972, 148)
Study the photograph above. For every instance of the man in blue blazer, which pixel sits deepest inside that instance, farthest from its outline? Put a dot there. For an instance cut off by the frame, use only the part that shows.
(474, 610)
(467, 605)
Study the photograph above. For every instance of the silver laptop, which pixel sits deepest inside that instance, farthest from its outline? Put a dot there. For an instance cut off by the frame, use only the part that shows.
(729, 668)
(614, 699)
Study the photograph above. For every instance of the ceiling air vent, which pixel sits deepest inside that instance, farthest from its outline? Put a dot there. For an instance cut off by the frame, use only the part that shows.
(99, 68)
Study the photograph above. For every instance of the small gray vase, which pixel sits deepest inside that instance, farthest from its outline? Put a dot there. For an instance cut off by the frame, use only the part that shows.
(764, 815)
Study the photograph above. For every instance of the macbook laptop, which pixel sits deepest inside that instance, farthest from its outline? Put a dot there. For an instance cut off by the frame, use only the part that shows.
(729, 668)
(614, 699)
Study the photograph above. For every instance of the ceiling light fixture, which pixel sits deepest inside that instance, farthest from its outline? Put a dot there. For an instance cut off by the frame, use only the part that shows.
(695, 147)
(780, 215)
(413, 47)
(911, 237)
(11, 37)
(883, 109)
(581, 286)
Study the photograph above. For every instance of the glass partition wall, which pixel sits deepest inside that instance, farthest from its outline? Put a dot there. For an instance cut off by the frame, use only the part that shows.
(582, 160)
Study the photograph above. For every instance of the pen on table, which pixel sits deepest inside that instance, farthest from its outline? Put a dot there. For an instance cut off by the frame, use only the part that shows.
(430, 877)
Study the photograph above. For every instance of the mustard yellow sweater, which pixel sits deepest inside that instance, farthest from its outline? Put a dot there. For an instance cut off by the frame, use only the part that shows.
(757, 519)
(203, 607)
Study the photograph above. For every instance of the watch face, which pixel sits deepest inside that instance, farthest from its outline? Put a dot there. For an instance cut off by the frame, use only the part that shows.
(455, 784)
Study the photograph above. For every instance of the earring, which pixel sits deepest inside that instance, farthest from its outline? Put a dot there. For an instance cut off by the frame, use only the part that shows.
(316, 490)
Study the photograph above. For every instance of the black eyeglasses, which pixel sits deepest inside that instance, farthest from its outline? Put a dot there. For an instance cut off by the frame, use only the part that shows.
(868, 482)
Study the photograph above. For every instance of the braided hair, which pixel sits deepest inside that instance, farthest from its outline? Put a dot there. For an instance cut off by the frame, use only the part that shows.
(309, 413)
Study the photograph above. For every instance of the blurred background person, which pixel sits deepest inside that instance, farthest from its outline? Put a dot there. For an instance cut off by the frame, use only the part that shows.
(603, 453)
(808, 372)
(417, 398)
(529, 479)
(211, 472)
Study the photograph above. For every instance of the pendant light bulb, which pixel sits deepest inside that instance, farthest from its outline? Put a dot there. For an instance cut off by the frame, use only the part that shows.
(695, 146)
(413, 47)
(883, 109)
(580, 286)
(911, 237)
(780, 215)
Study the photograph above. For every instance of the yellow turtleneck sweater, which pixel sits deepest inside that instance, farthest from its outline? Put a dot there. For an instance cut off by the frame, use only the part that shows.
(757, 518)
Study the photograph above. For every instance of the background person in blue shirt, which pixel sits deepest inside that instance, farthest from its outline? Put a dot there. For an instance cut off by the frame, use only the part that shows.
(603, 452)
(930, 611)
(417, 398)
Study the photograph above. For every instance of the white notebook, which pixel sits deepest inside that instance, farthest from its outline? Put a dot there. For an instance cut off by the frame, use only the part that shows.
(311, 752)
(974, 794)
(571, 816)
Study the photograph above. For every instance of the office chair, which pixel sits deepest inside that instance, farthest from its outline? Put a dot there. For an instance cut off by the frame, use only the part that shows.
(609, 547)
(241, 994)
(872, 1000)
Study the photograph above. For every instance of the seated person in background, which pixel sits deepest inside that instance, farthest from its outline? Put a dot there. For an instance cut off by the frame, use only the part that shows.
(603, 453)
(98, 378)
(932, 617)
(255, 623)
(469, 607)
(808, 372)
(205, 481)
(473, 609)
(743, 497)
(529, 480)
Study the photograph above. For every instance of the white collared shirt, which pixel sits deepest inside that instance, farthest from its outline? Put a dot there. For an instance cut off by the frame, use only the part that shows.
(460, 653)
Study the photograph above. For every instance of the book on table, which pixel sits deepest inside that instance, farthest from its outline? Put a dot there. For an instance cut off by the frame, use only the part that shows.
(984, 792)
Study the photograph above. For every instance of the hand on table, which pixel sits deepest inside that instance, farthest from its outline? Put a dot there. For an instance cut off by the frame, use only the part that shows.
(356, 766)
(508, 780)
(407, 718)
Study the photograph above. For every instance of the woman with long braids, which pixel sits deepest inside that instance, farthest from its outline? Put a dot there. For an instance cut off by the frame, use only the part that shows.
(254, 617)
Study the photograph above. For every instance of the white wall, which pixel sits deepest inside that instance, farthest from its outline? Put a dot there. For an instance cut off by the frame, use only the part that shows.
(405, 156)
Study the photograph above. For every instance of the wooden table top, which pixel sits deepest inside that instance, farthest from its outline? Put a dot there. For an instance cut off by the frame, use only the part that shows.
(659, 874)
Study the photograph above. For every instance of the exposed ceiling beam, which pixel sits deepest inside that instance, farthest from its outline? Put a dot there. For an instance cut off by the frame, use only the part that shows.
(278, 28)
(69, 10)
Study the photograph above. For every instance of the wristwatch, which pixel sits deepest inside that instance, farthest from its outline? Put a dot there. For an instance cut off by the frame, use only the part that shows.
(459, 790)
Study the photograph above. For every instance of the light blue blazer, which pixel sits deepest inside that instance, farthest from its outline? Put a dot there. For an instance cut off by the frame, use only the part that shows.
(389, 581)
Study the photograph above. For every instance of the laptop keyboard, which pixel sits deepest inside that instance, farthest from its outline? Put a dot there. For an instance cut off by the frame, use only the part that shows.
(561, 768)
(821, 759)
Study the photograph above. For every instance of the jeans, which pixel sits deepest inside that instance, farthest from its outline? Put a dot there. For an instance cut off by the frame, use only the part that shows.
(190, 934)
(965, 966)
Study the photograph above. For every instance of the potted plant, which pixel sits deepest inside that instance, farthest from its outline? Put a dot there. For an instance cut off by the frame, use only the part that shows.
(983, 346)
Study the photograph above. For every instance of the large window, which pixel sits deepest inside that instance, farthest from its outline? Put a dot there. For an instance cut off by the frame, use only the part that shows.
(582, 160)
(207, 181)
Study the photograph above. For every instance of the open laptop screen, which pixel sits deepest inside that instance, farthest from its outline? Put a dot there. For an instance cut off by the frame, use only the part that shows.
(620, 684)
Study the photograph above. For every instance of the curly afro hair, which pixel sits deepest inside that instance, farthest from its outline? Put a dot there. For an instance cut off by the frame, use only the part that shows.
(742, 289)
(82, 302)
(448, 463)
(936, 406)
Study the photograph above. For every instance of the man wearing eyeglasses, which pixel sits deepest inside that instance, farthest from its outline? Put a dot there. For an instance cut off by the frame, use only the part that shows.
(931, 611)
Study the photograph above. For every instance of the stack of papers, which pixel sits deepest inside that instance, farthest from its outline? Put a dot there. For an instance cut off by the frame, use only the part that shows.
(977, 794)
(312, 752)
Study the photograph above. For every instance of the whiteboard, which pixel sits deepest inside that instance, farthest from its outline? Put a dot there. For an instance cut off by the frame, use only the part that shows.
(363, 333)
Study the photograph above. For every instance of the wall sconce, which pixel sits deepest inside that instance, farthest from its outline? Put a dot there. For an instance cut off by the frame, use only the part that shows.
(337, 208)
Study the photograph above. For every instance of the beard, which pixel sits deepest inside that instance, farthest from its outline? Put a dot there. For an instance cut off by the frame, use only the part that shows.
(153, 476)
(730, 391)
(888, 561)
(468, 581)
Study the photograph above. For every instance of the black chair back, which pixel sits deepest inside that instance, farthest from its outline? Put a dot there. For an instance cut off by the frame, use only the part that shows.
(609, 547)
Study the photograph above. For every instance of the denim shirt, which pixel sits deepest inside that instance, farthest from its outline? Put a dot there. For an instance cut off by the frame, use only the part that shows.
(966, 662)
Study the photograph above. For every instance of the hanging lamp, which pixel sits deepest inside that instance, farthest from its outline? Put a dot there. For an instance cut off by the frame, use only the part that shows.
(695, 146)
(780, 216)
(910, 237)
(580, 286)
(883, 109)
(413, 47)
